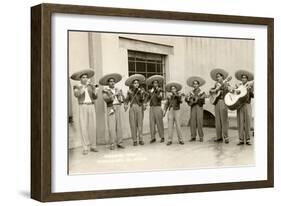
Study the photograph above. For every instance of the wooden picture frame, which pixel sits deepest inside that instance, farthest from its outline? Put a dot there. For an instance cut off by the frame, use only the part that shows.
(41, 96)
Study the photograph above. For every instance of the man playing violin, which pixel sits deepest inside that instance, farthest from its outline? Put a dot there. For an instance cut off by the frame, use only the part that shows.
(135, 98)
(155, 96)
(172, 105)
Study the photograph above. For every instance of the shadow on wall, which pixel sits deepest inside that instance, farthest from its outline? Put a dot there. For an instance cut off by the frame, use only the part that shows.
(208, 119)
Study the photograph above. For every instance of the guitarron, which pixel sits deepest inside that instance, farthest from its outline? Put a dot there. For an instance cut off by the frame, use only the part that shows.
(235, 100)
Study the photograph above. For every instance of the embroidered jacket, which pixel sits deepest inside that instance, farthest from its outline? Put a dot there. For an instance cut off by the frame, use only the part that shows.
(79, 92)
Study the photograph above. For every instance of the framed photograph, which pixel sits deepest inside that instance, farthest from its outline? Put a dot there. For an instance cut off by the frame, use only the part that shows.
(129, 102)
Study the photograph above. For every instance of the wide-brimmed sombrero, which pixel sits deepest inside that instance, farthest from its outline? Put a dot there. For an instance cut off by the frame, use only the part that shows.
(241, 73)
(200, 80)
(173, 84)
(216, 71)
(153, 78)
(134, 77)
(104, 80)
(77, 75)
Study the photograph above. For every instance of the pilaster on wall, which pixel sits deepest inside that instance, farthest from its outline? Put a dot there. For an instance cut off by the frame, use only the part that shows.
(95, 61)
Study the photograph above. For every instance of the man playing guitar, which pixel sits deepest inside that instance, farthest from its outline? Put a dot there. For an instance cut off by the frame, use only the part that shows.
(196, 99)
(221, 111)
(243, 112)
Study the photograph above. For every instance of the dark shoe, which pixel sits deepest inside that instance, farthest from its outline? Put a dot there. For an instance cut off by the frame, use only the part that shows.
(135, 144)
(162, 140)
(152, 140)
(218, 140)
(226, 141)
(201, 139)
(169, 143)
(93, 150)
(120, 146)
(248, 143)
(141, 142)
(181, 142)
(85, 152)
(112, 147)
(240, 143)
(192, 139)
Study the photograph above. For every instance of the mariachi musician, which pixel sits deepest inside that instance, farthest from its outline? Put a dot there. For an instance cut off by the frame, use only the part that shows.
(135, 97)
(114, 98)
(196, 99)
(244, 111)
(155, 97)
(222, 87)
(172, 105)
(86, 94)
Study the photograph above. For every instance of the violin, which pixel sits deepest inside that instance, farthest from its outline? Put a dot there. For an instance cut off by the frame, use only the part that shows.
(156, 90)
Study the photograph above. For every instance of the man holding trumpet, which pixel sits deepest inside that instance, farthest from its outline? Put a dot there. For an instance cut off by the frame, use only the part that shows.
(113, 98)
(86, 94)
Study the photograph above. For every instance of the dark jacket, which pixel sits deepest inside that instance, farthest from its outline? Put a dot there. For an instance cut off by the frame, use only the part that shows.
(197, 96)
(155, 97)
(250, 96)
(80, 93)
(224, 89)
(135, 96)
(173, 102)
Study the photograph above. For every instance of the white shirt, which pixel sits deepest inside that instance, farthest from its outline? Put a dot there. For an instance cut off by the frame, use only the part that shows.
(113, 90)
(87, 96)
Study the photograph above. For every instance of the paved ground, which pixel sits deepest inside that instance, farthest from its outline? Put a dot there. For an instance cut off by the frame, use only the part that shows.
(158, 156)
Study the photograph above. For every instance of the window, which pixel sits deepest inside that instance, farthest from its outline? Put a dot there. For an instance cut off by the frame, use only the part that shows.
(147, 64)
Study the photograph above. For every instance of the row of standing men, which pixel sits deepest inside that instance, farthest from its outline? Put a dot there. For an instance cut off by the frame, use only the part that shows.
(138, 99)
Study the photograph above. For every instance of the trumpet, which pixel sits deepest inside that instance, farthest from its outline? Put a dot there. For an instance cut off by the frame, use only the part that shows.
(119, 94)
(90, 83)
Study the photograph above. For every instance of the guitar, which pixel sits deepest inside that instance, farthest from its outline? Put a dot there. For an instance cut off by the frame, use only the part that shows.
(214, 96)
(235, 100)
(193, 99)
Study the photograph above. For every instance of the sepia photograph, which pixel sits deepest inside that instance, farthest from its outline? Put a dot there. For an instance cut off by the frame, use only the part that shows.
(132, 102)
(144, 102)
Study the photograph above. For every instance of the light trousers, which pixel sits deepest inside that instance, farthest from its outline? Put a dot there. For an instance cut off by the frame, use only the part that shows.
(114, 123)
(244, 122)
(196, 121)
(136, 122)
(156, 118)
(174, 119)
(221, 114)
(87, 122)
